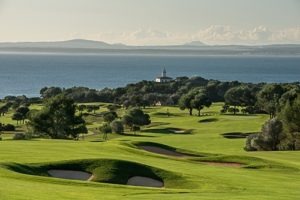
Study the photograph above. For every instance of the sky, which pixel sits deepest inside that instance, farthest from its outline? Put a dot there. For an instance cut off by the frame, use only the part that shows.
(152, 22)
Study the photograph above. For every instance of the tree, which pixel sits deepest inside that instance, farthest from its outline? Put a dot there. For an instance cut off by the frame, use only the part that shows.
(57, 119)
(268, 98)
(290, 114)
(185, 101)
(239, 96)
(4, 109)
(136, 117)
(269, 139)
(81, 108)
(117, 127)
(105, 129)
(110, 116)
(50, 92)
(23, 111)
(18, 117)
(200, 101)
(92, 108)
(127, 121)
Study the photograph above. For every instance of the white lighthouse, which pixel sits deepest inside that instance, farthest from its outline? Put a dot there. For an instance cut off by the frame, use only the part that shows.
(163, 78)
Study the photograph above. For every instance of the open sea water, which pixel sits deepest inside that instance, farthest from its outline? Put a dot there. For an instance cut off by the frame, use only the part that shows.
(28, 73)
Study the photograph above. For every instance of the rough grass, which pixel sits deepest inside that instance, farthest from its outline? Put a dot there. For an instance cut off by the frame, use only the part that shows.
(264, 175)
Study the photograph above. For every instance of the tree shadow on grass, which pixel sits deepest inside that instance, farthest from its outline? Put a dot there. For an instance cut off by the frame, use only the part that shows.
(208, 120)
(168, 130)
(237, 135)
(136, 135)
(165, 114)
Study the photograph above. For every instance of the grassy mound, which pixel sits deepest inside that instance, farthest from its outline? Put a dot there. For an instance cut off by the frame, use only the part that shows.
(104, 171)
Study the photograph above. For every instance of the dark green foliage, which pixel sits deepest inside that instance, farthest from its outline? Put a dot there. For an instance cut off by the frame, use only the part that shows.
(127, 121)
(57, 119)
(113, 107)
(7, 127)
(105, 129)
(110, 116)
(117, 127)
(185, 101)
(18, 117)
(20, 114)
(195, 99)
(81, 108)
(200, 101)
(136, 128)
(268, 98)
(50, 92)
(4, 109)
(269, 139)
(290, 115)
(136, 117)
(233, 110)
(19, 136)
(239, 96)
(92, 108)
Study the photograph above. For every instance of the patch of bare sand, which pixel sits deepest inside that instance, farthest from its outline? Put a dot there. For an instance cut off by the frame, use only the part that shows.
(70, 174)
(144, 181)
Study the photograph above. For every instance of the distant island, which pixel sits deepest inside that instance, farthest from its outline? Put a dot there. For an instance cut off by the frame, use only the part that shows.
(190, 48)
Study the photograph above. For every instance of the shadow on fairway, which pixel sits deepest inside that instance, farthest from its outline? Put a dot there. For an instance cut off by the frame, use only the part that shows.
(237, 135)
(208, 120)
(168, 130)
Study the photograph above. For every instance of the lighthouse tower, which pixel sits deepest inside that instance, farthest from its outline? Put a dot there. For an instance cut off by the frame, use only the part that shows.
(164, 73)
(163, 78)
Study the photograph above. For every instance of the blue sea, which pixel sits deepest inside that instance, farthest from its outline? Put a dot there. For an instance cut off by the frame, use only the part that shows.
(28, 73)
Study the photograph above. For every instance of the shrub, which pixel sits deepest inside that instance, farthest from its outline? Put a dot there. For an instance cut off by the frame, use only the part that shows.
(269, 139)
(110, 116)
(105, 128)
(233, 110)
(136, 128)
(117, 127)
(8, 127)
(19, 136)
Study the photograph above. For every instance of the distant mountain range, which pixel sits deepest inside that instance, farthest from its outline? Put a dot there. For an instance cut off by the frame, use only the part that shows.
(191, 48)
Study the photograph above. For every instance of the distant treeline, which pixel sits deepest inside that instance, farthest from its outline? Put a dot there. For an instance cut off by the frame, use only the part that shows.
(150, 93)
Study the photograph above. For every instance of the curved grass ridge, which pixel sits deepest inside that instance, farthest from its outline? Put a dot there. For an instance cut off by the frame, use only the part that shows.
(246, 162)
(103, 170)
(138, 144)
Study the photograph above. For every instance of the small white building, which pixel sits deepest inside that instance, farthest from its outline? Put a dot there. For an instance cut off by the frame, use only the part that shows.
(163, 78)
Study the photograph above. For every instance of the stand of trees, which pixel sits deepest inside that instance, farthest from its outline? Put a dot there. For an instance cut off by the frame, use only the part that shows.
(57, 119)
(281, 132)
(195, 99)
(133, 119)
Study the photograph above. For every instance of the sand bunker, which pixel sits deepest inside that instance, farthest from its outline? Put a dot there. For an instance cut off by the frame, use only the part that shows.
(144, 181)
(162, 151)
(70, 174)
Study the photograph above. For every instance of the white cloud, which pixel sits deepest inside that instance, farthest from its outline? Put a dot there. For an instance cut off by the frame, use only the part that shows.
(216, 34)
(290, 35)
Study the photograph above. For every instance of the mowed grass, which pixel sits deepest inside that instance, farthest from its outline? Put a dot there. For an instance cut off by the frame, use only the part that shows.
(278, 178)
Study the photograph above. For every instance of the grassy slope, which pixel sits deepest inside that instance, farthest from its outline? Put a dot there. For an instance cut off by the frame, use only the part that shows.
(202, 181)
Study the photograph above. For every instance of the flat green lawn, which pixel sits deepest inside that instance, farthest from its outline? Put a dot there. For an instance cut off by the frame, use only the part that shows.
(265, 175)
